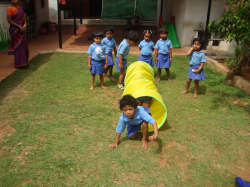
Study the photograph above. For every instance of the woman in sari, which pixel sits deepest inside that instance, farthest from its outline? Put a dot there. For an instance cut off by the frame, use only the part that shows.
(18, 43)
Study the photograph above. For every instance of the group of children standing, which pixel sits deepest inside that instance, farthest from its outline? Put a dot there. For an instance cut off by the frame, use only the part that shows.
(100, 61)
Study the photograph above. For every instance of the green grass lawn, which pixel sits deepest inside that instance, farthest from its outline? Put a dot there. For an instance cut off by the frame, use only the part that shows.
(54, 131)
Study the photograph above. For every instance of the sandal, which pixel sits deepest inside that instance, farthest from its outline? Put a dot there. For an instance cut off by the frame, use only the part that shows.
(121, 86)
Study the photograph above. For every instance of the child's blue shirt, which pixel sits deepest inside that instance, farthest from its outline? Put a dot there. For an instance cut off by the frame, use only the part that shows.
(97, 51)
(123, 49)
(197, 58)
(110, 43)
(140, 116)
(163, 46)
(146, 47)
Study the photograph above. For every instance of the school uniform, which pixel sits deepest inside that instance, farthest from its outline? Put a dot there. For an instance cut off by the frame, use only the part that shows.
(163, 55)
(110, 44)
(124, 50)
(146, 52)
(97, 53)
(133, 125)
(195, 61)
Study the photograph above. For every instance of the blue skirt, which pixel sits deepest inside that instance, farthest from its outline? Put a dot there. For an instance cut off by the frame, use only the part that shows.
(124, 61)
(132, 129)
(110, 59)
(97, 67)
(148, 59)
(192, 75)
(164, 61)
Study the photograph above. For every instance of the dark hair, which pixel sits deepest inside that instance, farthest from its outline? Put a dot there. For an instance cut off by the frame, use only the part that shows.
(132, 36)
(97, 34)
(163, 29)
(128, 19)
(198, 40)
(109, 28)
(128, 100)
(147, 32)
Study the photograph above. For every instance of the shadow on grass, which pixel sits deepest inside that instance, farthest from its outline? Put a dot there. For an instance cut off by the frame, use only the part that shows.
(8, 84)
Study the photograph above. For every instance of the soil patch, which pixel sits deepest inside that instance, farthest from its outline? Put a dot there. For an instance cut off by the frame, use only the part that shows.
(245, 71)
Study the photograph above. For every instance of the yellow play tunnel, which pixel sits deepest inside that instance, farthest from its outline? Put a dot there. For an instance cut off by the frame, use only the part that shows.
(139, 82)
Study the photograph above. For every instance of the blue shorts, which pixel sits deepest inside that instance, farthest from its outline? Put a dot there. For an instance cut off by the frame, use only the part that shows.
(124, 61)
(192, 75)
(110, 59)
(97, 67)
(148, 59)
(132, 129)
(164, 61)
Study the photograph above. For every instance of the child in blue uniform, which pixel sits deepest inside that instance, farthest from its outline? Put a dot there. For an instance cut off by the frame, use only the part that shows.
(146, 47)
(195, 70)
(111, 45)
(122, 54)
(163, 53)
(134, 116)
(97, 59)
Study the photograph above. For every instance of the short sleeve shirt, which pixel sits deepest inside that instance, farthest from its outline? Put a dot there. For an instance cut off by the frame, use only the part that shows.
(140, 116)
(197, 58)
(110, 43)
(163, 46)
(12, 10)
(123, 49)
(97, 51)
(146, 47)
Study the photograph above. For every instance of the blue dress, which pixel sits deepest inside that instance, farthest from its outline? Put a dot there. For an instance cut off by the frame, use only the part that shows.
(146, 52)
(163, 55)
(195, 61)
(110, 44)
(124, 50)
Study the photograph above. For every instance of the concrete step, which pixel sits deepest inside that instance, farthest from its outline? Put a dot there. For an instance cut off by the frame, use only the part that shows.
(104, 22)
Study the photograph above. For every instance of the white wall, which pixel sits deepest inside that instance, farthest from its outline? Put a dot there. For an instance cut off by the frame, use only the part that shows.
(42, 14)
(53, 13)
(3, 18)
(178, 11)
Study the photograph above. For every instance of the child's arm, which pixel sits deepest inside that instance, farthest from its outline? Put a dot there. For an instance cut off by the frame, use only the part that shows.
(170, 55)
(156, 55)
(117, 137)
(89, 60)
(115, 51)
(199, 69)
(120, 60)
(139, 48)
(155, 135)
(190, 51)
(106, 61)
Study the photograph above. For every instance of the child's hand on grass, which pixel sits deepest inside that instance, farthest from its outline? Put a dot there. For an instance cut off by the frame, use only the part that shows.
(153, 137)
(111, 146)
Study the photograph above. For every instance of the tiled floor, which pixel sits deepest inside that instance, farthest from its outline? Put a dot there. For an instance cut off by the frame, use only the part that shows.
(72, 43)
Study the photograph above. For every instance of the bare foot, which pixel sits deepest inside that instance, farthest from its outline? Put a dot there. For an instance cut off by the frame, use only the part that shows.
(169, 80)
(92, 88)
(112, 79)
(106, 77)
(195, 95)
(184, 92)
(158, 80)
(103, 87)
(144, 144)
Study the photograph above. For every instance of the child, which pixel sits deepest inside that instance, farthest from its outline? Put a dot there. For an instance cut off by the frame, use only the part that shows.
(134, 116)
(195, 70)
(137, 21)
(164, 58)
(97, 60)
(110, 45)
(146, 47)
(122, 53)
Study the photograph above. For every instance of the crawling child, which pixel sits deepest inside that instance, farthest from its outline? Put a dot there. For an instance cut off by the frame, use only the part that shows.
(134, 116)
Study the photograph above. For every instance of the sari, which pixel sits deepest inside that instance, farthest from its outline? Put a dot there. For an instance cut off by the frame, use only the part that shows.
(18, 43)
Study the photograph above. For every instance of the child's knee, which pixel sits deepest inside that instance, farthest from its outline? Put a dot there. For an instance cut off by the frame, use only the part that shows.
(145, 124)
